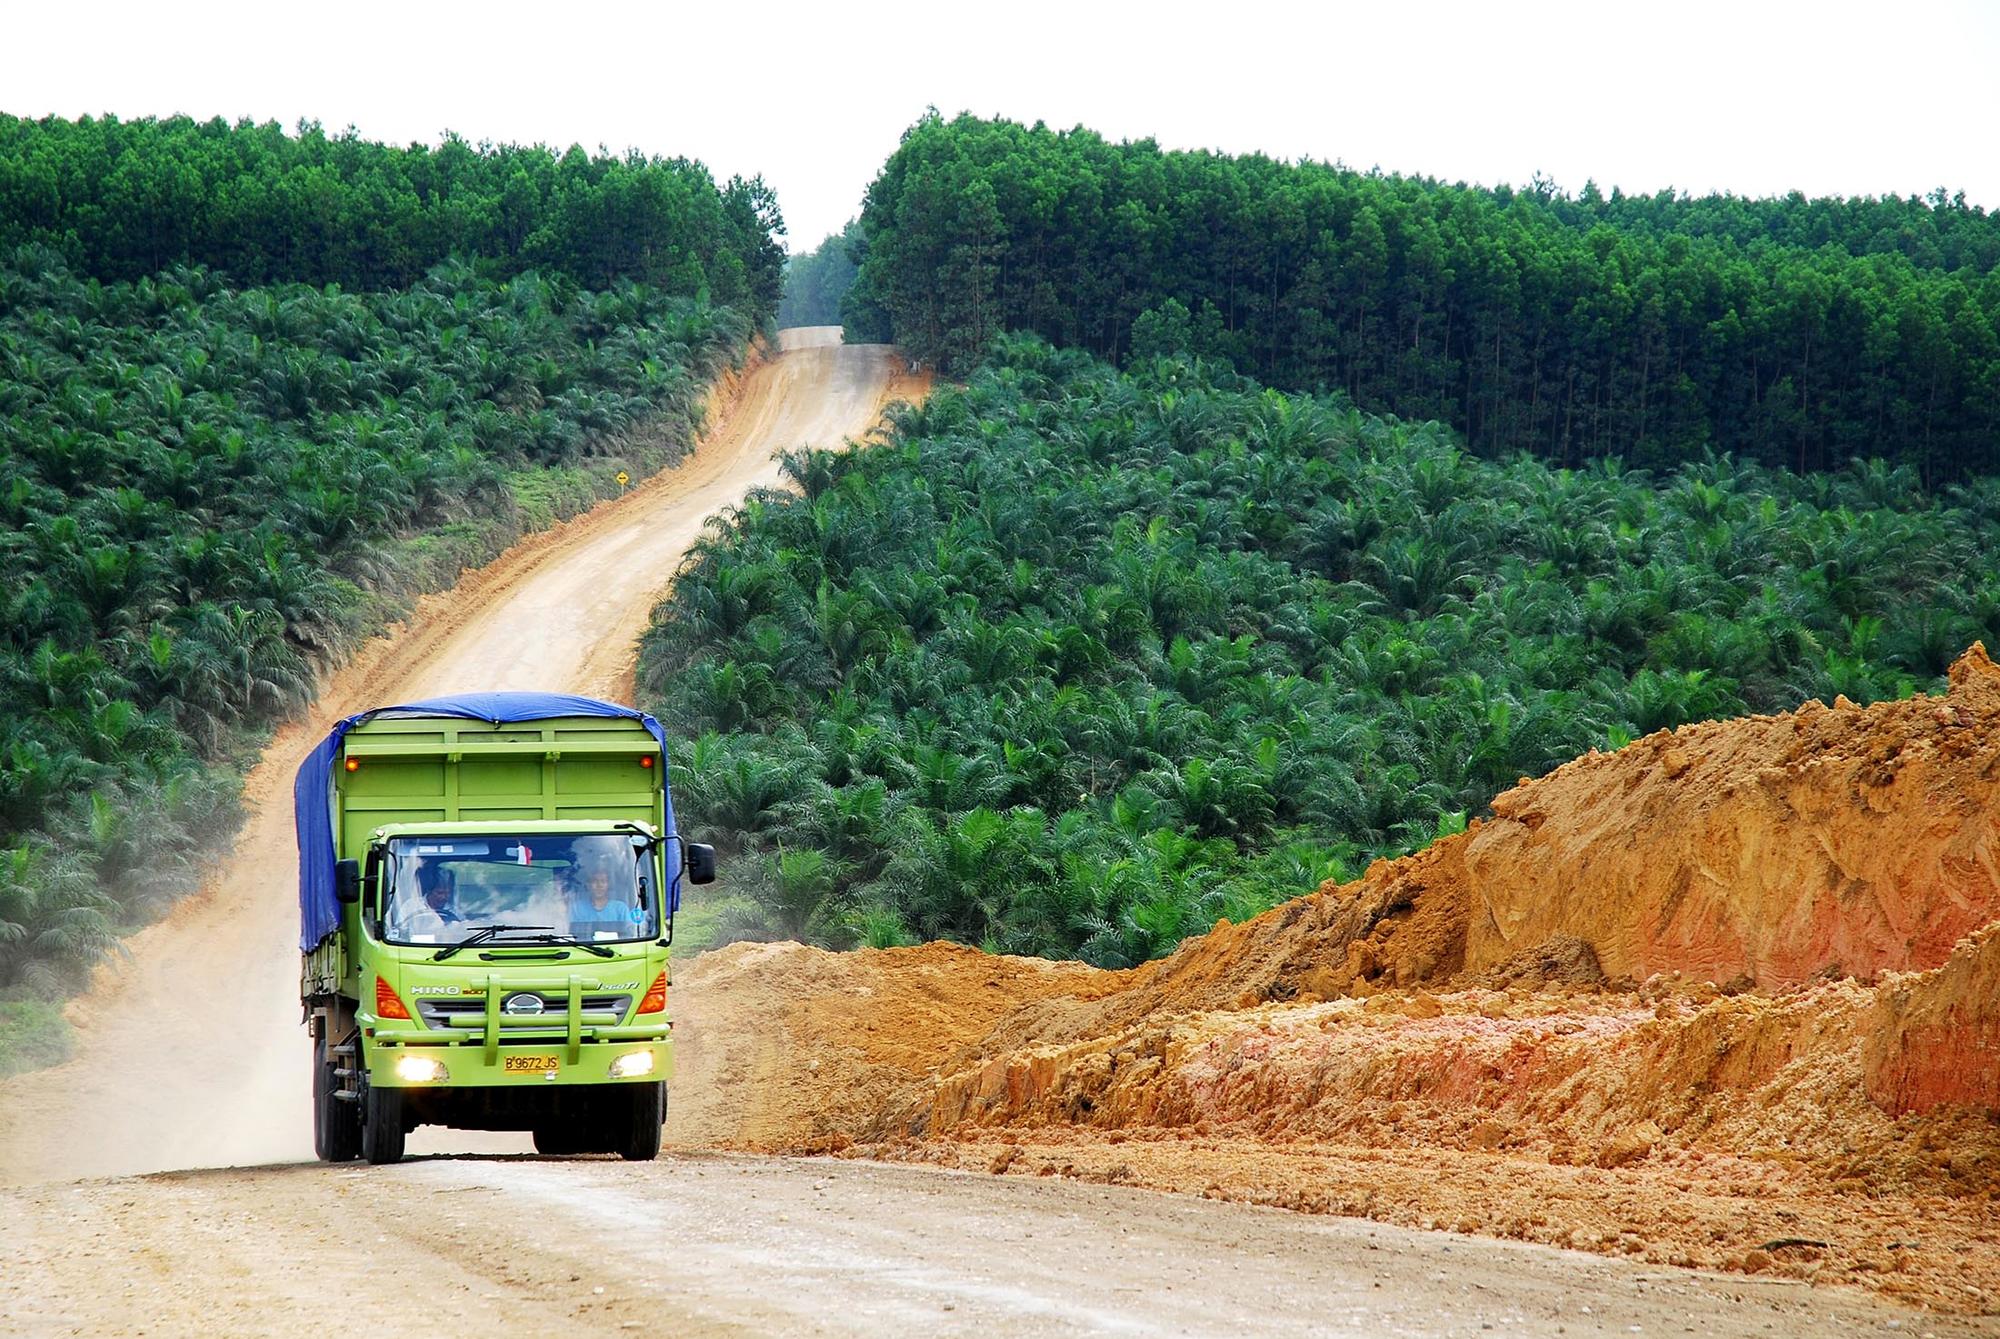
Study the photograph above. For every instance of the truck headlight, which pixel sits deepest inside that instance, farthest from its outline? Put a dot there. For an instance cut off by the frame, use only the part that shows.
(421, 1069)
(633, 1065)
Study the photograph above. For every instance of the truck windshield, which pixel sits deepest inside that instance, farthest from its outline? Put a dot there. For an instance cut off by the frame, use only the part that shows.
(441, 890)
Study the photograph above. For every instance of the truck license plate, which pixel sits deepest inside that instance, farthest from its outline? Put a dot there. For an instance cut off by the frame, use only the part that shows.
(530, 1064)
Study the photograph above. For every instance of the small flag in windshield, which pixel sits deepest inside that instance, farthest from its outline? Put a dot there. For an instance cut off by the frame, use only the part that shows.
(527, 856)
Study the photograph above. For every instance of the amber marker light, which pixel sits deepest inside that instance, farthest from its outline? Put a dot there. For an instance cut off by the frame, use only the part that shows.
(354, 764)
(646, 760)
(656, 996)
(387, 1003)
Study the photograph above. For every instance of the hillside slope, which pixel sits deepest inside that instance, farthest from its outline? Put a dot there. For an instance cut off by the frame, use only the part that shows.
(1723, 997)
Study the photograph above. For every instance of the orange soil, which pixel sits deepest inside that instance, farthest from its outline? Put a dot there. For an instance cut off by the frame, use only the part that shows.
(1729, 996)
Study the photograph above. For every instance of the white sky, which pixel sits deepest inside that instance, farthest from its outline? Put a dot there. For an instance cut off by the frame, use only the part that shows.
(1827, 98)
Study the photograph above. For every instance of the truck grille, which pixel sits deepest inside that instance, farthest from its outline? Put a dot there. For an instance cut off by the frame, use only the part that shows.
(438, 1013)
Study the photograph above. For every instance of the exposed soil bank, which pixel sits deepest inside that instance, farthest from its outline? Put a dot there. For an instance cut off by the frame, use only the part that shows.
(1729, 996)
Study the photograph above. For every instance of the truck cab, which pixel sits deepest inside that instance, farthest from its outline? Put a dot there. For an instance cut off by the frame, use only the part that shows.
(494, 951)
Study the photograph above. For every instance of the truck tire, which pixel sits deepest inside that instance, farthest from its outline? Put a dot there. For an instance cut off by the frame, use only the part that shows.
(336, 1124)
(382, 1125)
(641, 1142)
(557, 1141)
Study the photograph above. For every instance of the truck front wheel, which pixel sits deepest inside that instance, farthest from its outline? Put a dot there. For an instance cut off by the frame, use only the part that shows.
(557, 1141)
(640, 1141)
(382, 1125)
(336, 1124)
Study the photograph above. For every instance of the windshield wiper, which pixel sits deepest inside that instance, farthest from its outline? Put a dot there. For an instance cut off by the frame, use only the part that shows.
(480, 936)
(571, 941)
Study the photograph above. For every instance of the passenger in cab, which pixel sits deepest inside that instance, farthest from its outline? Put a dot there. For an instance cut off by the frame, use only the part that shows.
(593, 911)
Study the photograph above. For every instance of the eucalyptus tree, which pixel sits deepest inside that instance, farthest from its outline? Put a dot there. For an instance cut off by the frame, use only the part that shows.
(1654, 328)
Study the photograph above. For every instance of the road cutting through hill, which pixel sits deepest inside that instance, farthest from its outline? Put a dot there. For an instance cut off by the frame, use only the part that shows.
(1437, 1046)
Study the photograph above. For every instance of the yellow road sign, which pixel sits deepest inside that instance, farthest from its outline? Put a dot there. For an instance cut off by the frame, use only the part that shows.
(623, 479)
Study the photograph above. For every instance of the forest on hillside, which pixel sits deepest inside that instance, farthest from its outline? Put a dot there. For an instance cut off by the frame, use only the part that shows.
(1080, 660)
(127, 199)
(1790, 332)
(209, 493)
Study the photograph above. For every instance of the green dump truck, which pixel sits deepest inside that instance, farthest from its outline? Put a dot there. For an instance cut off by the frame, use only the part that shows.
(487, 885)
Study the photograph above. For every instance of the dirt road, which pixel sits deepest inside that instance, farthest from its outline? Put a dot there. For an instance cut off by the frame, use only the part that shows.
(696, 1246)
(190, 1054)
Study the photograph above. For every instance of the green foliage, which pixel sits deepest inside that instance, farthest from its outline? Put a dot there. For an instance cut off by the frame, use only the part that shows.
(816, 282)
(708, 918)
(208, 495)
(127, 199)
(1790, 332)
(1079, 661)
(33, 1034)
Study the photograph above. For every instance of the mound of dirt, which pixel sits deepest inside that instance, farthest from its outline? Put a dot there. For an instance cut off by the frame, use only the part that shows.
(780, 1046)
(1587, 1078)
(1826, 841)
(1753, 964)
(1560, 960)
(1937, 1038)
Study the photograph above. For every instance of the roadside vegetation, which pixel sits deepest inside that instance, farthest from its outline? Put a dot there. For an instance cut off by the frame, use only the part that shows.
(1787, 332)
(1081, 660)
(209, 494)
(33, 1035)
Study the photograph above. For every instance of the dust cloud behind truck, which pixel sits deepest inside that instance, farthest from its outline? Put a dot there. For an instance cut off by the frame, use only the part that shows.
(487, 884)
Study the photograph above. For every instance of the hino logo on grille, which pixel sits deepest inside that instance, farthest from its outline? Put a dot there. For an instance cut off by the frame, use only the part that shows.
(524, 1003)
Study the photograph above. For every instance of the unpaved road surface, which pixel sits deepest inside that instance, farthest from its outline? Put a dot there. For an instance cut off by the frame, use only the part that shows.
(190, 1056)
(695, 1246)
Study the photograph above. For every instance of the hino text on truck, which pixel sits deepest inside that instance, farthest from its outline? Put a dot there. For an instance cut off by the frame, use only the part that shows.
(487, 885)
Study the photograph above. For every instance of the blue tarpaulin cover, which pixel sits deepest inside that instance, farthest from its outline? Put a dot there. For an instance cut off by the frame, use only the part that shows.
(319, 907)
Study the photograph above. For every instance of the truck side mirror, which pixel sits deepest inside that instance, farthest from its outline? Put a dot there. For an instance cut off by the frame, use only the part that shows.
(347, 880)
(700, 862)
